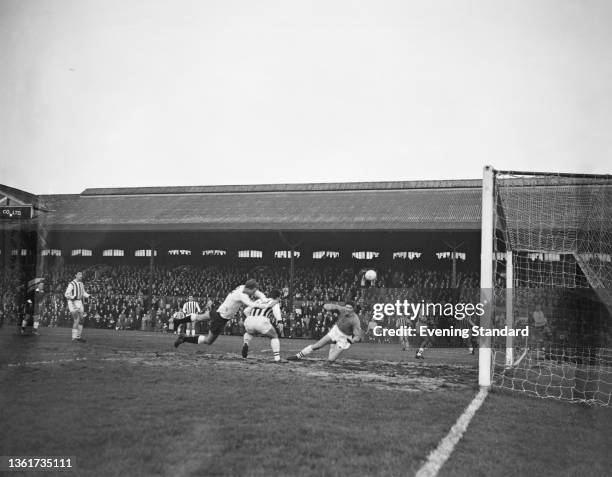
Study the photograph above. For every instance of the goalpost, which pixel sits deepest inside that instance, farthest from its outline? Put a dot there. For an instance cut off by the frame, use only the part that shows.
(546, 263)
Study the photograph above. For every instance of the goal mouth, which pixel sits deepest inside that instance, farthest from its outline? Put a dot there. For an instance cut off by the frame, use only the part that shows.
(549, 236)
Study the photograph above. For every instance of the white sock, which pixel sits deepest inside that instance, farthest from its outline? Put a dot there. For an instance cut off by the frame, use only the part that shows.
(275, 344)
(36, 325)
(75, 334)
(421, 350)
(201, 339)
(247, 339)
(79, 331)
(305, 352)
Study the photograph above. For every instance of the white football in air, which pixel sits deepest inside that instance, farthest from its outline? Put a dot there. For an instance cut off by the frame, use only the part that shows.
(370, 275)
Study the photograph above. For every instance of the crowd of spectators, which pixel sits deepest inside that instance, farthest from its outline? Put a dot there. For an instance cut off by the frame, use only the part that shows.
(124, 297)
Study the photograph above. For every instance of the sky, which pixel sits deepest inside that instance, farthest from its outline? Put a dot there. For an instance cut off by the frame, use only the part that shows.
(114, 93)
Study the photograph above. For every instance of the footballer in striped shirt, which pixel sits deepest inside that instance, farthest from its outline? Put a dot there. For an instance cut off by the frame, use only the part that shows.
(178, 315)
(189, 308)
(75, 293)
(262, 322)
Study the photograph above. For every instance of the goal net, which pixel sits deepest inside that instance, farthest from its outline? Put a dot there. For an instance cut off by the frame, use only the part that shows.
(551, 271)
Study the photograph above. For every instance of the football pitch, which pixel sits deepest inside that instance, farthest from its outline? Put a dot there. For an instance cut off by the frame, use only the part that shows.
(129, 403)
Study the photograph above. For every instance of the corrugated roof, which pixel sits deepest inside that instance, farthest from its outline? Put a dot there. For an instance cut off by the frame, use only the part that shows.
(375, 206)
(312, 187)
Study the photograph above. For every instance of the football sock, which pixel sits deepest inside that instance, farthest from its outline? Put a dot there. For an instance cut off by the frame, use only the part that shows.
(421, 350)
(191, 339)
(275, 344)
(79, 331)
(247, 339)
(305, 352)
(75, 334)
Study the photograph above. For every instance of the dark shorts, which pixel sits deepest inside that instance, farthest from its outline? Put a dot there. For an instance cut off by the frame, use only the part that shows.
(217, 323)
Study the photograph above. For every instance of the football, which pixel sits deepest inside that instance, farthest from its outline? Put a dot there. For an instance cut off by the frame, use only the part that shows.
(370, 275)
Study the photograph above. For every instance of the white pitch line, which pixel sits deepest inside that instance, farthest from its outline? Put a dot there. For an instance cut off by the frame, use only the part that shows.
(440, 455)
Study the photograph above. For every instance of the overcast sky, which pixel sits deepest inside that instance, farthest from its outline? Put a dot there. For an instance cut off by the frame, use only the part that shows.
(99, 93)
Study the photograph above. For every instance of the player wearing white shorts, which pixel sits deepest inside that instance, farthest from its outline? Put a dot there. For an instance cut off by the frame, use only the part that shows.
(261, 321)
(191, 306)
(343, 334)
(75, 292)
(240, 296)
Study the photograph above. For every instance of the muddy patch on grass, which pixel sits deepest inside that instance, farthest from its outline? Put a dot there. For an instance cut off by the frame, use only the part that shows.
(387, 375)
(379, 374)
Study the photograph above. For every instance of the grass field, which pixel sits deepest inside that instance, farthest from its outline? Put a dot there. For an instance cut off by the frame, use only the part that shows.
(129, 403)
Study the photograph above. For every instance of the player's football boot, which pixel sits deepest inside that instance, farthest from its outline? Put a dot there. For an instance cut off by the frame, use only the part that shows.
(293, 358)
(245, 350)
(179, 341)
(419, 356)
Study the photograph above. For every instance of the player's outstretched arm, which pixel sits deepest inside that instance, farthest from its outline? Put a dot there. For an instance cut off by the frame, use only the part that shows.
(332, 306)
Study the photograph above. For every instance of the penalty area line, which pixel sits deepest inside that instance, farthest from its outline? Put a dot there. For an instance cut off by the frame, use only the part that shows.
(440, 455)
